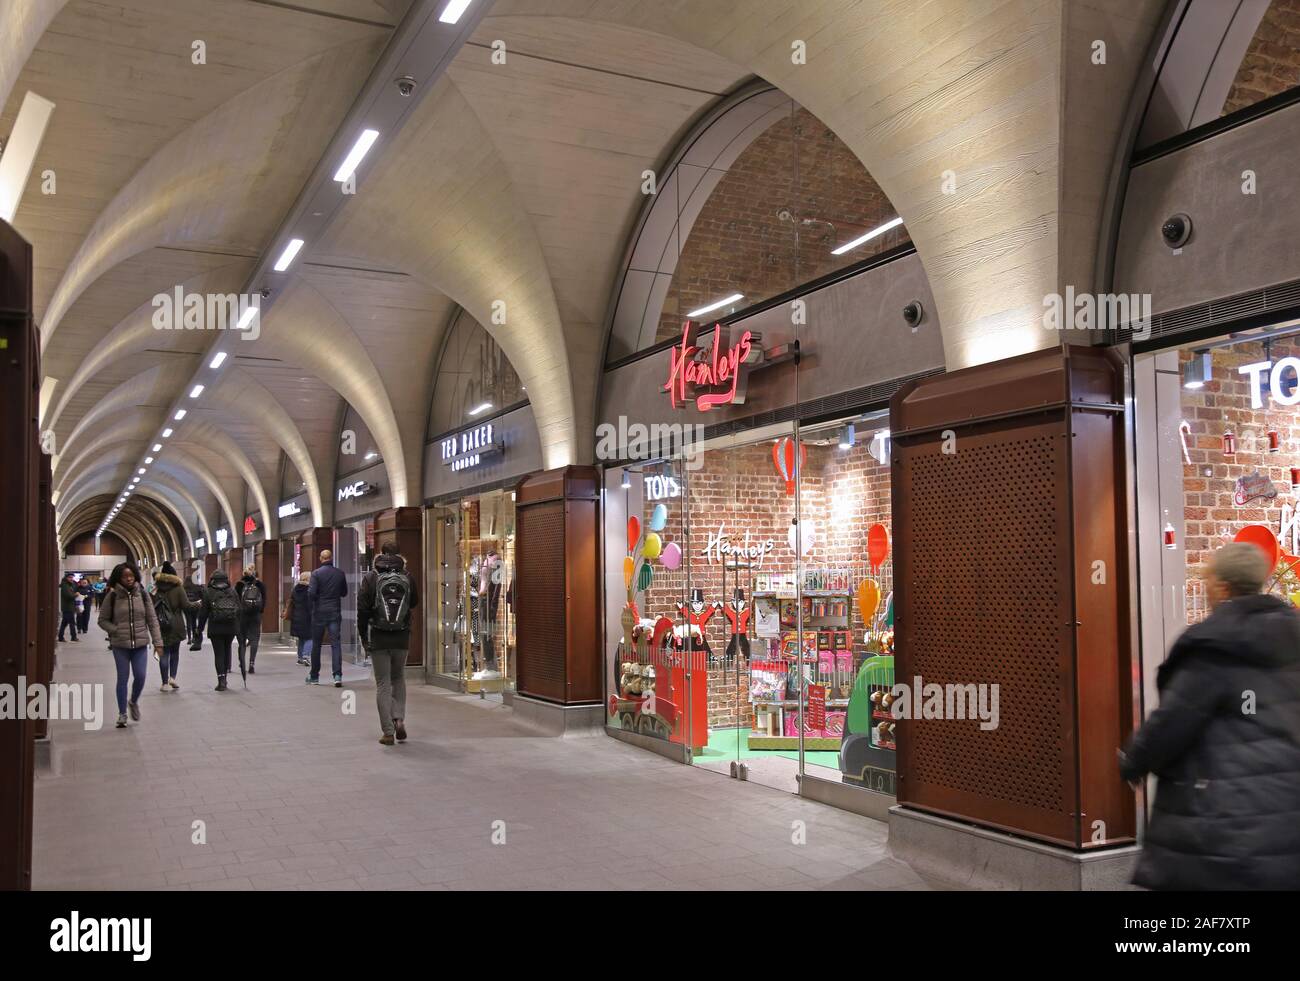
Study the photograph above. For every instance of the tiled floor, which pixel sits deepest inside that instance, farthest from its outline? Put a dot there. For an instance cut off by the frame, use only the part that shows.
(295, 793)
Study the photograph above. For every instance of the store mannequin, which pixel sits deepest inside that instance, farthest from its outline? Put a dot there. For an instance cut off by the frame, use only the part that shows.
(489, 597)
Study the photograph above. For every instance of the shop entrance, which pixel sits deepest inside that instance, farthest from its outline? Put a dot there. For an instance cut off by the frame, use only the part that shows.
(757, 627)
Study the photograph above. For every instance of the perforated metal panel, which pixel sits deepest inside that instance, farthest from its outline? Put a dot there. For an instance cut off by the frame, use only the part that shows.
(986, 561)
(540, 599)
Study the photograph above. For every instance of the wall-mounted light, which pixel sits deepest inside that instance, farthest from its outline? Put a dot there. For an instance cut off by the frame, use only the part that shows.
(1197, 371)
(847, 437)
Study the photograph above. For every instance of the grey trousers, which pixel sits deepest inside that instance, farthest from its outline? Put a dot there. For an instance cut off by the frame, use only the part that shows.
(390, 687)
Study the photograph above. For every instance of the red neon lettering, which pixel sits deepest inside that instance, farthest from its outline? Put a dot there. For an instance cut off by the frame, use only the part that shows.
(722, 365)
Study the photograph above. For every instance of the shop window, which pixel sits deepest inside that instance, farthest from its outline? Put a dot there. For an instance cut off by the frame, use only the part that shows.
(1272, 61)
(474, 378)
(357, 447)
(730, 642)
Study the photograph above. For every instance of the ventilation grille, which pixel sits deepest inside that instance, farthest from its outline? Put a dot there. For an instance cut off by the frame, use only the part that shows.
(1283, 297)
(540, 599)
(983, 604)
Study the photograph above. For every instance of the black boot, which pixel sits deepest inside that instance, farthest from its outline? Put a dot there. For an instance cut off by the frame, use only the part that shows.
(221, 682)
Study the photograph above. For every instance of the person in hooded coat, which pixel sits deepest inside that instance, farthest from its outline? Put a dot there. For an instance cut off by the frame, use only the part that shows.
(129, 620)
(169, 589)
(221, 610)
(1224, 742)
(297, 611)
(68, 605)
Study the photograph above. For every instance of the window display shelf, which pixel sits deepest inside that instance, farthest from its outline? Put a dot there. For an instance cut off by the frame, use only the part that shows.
(819, 744)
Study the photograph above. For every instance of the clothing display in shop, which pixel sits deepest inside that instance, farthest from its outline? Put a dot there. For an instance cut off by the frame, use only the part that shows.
(485, 594)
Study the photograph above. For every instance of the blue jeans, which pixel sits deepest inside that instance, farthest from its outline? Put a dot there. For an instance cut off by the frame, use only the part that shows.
(129, 660)
(318, 628)
(304, 645)
(170, 661)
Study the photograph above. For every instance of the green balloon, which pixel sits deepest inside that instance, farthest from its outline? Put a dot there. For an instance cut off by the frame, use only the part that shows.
(645, 577)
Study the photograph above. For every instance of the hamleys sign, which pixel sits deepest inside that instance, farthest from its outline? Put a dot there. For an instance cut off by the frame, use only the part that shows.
(719, 373)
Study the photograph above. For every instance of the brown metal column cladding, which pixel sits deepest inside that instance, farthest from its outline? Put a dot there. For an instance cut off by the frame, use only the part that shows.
(232, 561)
(19, 544)
(266, 556)
(556, 588)
(47, 600)
(405, 526)
(313, 541)
(1011, 569)
(210, 565)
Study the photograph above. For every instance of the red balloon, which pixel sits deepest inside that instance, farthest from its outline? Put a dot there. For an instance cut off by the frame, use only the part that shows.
(633, 532)
(877, 545)
(1262, 537)
(783, 460)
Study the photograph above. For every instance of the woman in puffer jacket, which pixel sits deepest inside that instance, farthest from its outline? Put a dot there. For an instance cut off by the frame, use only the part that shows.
(128, 618)
(168, 588)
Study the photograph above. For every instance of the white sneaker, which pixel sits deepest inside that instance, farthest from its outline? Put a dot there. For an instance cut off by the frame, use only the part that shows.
(173, 686)
(164, 687)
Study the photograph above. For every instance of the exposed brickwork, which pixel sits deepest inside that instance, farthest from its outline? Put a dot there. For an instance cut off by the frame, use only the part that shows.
(738, 243)
(1272, 62)
(1225, 404)
(844, 492)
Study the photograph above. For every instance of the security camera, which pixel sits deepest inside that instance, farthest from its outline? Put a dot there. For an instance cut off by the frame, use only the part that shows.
(913, 314)
(406, 85)
(1176, 230)
(264, 292)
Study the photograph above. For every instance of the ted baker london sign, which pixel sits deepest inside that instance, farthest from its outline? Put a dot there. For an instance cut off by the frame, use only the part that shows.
(467, 449)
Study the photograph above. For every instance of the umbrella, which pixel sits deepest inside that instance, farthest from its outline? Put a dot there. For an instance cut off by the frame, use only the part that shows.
(243, 670)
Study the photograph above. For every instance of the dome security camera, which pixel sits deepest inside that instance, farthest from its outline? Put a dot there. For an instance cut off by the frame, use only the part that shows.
(405, 86)
(913, 314)
(1176, 230)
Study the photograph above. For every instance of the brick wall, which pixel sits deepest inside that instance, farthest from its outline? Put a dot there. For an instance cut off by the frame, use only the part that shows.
(843, 493)
(738, 243)
(1225, 403)
(1272, 62)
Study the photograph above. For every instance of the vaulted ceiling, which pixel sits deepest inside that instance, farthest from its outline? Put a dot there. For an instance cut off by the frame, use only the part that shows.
(510, 191)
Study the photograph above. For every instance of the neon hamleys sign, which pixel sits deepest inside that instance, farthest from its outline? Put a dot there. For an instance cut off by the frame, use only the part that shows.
(716, 374)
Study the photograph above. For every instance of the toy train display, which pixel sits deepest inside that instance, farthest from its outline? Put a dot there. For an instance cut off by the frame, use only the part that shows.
(637, 707)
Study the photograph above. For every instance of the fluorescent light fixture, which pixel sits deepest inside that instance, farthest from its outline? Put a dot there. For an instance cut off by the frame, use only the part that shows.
(20, 151)
(874, 233)
(359, 149)
(1197, 371)
(287, 256)
(148, 459)
(220, 357)
(180, 414)
(247, 317)
(716, 306)
(166, 433)
(847, 437)
(627, 481)
(480, 408)
(156, 447)
(140, 471)
(196, 391)
(451, 13)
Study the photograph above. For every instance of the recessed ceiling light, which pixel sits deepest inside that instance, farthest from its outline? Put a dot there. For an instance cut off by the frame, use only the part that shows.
(148, 459)
(196, 391)
(220, 356)
(359, 149)
(157, 447)
(874, 233)
(288, 255)
(452, 12)
(166, 433)
(140, 471)
(180, 414)
(726, 301)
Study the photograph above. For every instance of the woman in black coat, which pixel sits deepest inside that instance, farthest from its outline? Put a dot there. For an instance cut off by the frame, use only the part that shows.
(1225, 742)
(297, 610)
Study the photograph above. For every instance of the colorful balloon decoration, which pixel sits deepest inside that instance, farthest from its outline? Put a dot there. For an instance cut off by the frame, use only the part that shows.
(671, 556)
(868, 599)
(783, 459)
(807, 539)
(1262, 537)
(646, 577)
(877, 546)
(629, 570)
(653, 546)
(659, 517)
(633, 532)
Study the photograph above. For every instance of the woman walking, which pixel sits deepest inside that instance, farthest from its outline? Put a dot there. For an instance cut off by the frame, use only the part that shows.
(298, 612)
(169, 594)
(221, 609)
(128, 618)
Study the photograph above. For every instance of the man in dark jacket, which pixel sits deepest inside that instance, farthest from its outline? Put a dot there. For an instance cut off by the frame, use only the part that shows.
(87, 600)
(221, 609)
(251, 605)
(68, 606)
(385, 605)
(325, 594)
(1225, 742)
(193, 623)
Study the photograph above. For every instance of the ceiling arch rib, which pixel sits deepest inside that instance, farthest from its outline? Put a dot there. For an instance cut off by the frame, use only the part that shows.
(22, 23)
(216, 440)
(126, 434)
(143, 502)
(164, 483)
(178, 461)
(96, 505)
(138, 394)
(87, 483)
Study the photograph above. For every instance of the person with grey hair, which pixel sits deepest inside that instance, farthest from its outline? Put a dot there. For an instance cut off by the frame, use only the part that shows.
(1224, 742)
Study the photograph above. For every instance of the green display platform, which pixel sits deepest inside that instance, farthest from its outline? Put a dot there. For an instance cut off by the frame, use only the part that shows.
(732, 744)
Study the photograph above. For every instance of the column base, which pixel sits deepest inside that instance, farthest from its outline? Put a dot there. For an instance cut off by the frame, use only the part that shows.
(550, 719)
(969, 857)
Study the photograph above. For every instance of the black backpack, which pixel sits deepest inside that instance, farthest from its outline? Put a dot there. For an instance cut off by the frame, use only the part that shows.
(392, 602)
(223, 605)
(250, 598)
(163, 612)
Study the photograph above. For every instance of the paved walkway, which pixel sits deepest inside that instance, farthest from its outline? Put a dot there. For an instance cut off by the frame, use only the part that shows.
(296, 794)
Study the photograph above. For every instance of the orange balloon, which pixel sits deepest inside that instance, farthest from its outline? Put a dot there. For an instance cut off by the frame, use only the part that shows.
(868, 599)
(628, 568)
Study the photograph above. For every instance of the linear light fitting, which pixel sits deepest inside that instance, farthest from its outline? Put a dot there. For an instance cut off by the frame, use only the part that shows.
(726, 301)
(874, 233)
(452, 13)
(196, 391)
(359, 149)
(166, 433)
(180, 414)
(286, 257)
(220, 357)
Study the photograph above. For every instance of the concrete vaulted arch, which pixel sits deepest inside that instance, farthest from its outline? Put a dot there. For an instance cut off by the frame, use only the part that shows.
(138, 395)
(178, 462)
(166, 484)
(212, 437)
(118, 442)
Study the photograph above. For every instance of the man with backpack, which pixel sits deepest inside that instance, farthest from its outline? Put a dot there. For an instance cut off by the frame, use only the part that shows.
(221, 609)
(252, 600)
(325, 595)
(384, 604)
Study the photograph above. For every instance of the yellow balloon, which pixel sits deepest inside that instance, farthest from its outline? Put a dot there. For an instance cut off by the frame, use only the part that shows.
(652, 546)
(868, 599)
(628, 568)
